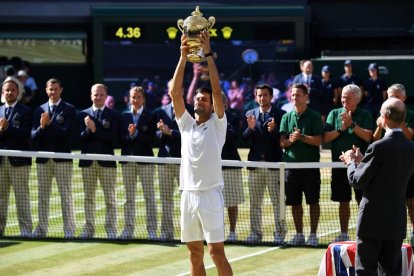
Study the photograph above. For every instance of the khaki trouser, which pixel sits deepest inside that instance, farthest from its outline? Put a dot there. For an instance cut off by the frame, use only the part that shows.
(130, 171)
(18, 177)
(62, 172)
(167, 173)
(107, 179)
(259, 179)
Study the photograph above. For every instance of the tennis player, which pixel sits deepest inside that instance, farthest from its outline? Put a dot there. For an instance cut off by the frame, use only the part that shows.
(201, 180)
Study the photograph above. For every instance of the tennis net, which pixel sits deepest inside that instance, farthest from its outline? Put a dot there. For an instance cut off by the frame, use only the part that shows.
(143, 201)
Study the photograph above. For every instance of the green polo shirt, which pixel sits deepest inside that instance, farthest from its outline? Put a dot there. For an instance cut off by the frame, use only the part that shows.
(310, 123)
(344, 142)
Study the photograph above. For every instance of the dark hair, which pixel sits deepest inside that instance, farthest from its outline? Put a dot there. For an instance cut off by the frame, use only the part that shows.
(206, 90)
(54, 80)
(302, 87)
(264, 86)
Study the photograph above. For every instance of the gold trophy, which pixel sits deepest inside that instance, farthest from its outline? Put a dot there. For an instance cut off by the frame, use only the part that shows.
(191, 27)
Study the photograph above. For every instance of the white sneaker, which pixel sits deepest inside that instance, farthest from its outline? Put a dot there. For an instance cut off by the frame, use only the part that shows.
(342, 237)
(152, 235)
(279, 239)
(166, 236)
(86, 235)
(38, 233)
(111, 236)
(254, 238)
(312, 240)
(298, 240)
(126, 235)
(231, 237)
(26, 234)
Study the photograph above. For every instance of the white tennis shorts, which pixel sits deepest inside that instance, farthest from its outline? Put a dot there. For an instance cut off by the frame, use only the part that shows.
(202, 216)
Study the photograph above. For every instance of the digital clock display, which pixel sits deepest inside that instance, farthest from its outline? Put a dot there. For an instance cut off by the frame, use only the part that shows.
(128, 32)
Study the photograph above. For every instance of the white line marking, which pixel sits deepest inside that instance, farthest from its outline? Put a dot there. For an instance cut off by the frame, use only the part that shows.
(238, 259)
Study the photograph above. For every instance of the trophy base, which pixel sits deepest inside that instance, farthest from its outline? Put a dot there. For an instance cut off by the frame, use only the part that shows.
(194, 58)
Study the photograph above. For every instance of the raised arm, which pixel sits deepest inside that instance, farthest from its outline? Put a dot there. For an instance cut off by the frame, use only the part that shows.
(177, 81)
(214, 75)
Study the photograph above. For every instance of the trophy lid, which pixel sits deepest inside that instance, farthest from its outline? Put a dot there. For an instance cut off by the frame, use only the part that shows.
(196, 20)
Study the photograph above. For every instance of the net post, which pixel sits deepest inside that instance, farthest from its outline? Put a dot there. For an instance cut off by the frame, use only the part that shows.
(282, 202)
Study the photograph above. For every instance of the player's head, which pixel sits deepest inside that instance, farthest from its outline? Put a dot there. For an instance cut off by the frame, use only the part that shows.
(203, 101)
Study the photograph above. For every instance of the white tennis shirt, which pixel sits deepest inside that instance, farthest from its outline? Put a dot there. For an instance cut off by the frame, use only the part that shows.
(201, 147)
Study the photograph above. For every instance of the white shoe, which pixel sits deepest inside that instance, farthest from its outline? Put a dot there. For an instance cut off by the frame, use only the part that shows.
(86, 235)
(279, 239)
(166, 236)
(38, 233)
(254, 238)
(111, 236)
(152, 235)
(342, 237)
(126, 235)
(312, 240)
(231, 237)
(297, 240)
(26, 234)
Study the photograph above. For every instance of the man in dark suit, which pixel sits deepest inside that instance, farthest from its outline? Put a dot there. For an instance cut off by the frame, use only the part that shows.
(52, 124)
(169, 139)
(263, 131)
(99, 133)
(314, 84)
(383, 174)
(15, 124)
(138, 130)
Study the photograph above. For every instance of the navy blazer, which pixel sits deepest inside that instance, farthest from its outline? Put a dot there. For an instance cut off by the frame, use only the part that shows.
(56, 136)
(105, 137)
(16, 136)
(265, 145)
(142, 144)
(234, 122)
(314, 89)
(169, 145)
(383, 175)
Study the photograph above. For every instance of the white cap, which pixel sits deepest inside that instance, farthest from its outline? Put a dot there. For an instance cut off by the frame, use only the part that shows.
(22, 73)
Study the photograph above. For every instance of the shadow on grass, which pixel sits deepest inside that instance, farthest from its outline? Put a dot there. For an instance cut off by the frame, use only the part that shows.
(4, 244)
(17, 240)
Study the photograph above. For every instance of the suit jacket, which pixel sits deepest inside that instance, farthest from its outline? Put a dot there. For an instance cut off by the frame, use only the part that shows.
(383, 175)
(314, 89)
(142, 143)
(105, 137)
(56, 136)
(169, 145)
(16, 136)
(229, 151)
(265, 145)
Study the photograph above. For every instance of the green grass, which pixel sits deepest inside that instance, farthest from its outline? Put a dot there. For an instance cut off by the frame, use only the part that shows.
(102, 258)
(108, 258)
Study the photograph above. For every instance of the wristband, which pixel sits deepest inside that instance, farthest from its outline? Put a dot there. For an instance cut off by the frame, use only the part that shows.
(353, 125)
(208, 54)
(339, 130)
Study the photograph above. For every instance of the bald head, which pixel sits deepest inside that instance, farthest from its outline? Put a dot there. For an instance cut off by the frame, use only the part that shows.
(394, 111)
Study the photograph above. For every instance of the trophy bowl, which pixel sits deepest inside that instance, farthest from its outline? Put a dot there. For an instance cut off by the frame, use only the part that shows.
(191, 27)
